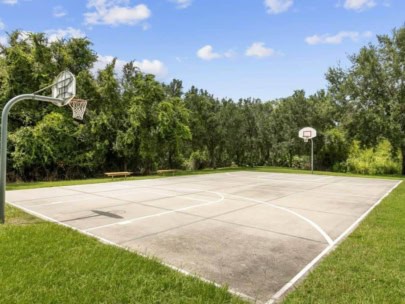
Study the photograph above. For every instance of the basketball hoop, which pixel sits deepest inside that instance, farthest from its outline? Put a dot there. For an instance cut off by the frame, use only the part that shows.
(78, 108)
(307, 134)
(63, 93)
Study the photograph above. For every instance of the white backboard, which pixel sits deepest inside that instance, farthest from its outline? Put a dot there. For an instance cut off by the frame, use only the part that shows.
(307, 133)
(64, 87)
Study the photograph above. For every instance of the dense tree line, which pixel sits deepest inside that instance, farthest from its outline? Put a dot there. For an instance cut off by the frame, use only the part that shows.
(137, 123)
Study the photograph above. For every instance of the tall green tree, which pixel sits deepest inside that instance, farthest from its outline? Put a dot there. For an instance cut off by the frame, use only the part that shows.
(372, 92)
(173, 120)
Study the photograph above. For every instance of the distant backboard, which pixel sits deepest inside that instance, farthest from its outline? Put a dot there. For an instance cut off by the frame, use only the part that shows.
(307, 133)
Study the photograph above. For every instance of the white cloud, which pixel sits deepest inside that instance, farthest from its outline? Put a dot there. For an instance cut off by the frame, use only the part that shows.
(59, 11)
(115, 12)
(338, 38)
(358, 5)
(277, 6)
(207, 53)
(3, 40)
(24, 35)
(154, 67)
(102, 61)
(182, 3)
(10, 2)
(70, 32)
(258, 49)
(2, 25)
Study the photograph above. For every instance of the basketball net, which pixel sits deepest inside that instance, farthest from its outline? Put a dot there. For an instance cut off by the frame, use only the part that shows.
(78, 108)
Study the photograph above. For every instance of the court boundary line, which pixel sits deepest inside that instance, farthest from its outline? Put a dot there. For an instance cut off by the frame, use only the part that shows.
(108, 242)
(281, 179)
(108, 183)
(222, 197)
(277, 296)
(280, 293)
(129, 221)
(307, 220)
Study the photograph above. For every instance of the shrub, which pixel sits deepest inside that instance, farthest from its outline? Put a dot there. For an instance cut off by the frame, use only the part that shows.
(198, 160)
(378, 160)
(301, 162)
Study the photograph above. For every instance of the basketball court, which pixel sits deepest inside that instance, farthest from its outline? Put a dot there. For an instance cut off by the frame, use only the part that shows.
(259, 233)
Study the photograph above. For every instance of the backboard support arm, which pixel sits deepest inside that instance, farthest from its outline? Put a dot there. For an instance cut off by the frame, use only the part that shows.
(3, 141)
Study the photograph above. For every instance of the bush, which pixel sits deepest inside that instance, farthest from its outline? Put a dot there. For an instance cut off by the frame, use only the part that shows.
(198, 160)
(334, 151)
(301, 162)
(378, 160)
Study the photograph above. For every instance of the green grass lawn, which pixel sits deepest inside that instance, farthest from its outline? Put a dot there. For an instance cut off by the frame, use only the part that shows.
(367, 267)
(42, 262)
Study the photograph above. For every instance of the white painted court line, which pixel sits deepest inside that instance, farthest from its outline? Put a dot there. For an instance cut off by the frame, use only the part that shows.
(63, 202)
(312, 223)
(277, 178)
(108, 242)
(126, 222)
(276, 296)
(95, 196)
(318, 180)
(311, 264)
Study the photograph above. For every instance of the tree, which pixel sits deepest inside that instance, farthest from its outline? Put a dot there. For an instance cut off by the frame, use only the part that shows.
(372, 92)
(30, 62)
(204, 123)
(49, 148)
(173, 130)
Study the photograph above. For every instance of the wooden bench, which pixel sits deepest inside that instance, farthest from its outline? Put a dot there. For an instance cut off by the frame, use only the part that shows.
(118, 174)
(166, 171)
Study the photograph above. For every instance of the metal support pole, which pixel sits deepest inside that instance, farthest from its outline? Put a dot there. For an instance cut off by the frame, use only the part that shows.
(312, 156)
(3, 142)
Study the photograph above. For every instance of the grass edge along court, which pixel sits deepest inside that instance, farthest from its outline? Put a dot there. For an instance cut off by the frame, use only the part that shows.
(315, 295)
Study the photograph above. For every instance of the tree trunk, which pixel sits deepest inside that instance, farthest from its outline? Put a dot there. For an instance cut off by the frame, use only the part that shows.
(170, 159)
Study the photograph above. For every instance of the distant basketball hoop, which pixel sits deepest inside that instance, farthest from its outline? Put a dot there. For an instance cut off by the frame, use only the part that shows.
(307, 134)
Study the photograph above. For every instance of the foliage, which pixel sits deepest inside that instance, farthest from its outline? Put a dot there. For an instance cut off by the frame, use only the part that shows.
(335, 149)
(378, 160)
(49, 144)
(371, 93)
(301, 162)
(136, 123)
(198, 160)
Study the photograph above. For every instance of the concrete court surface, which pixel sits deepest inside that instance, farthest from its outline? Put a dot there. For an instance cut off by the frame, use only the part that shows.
(253, 231)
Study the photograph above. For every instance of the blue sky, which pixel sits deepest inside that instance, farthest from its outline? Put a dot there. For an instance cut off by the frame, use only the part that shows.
(232, 48)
